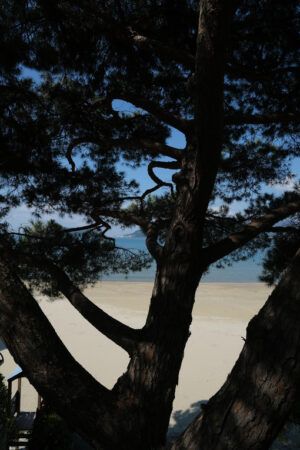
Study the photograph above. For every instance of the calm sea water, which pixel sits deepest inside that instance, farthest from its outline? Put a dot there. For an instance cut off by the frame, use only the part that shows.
(241, 272)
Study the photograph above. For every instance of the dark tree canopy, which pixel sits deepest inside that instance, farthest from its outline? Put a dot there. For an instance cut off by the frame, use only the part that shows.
(62, 141)
(224, 74)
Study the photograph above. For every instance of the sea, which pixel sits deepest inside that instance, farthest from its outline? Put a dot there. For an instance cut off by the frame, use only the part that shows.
(240, 272)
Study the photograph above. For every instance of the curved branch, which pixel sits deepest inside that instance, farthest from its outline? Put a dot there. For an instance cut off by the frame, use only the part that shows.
(217, 251)
(79, 141)
(160, 113)
(158, 148)
(155, 147)
(162, 149)
(69, 154)
(151, 241)
(159, 183)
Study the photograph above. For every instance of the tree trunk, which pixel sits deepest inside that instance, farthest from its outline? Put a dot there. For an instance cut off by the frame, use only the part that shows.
(259, 394)
(146, 391)
(150, 382)
(135, 415)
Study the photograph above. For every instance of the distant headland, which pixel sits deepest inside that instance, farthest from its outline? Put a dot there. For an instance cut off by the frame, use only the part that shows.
(134, 235)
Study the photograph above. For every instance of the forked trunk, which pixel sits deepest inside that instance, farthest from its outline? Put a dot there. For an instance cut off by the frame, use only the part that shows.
(146, 391)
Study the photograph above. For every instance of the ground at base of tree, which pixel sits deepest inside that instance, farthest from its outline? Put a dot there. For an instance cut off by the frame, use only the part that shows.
(221, 314)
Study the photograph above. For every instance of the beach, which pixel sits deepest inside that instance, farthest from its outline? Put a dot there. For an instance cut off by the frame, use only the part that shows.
(220, 317)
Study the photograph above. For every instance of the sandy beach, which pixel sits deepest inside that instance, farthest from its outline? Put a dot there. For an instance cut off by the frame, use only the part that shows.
(220, 317)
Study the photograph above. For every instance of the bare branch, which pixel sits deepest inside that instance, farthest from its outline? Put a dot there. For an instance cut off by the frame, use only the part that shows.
(165, 116)
(263, 119)
(69, 154)
(155, 147)
(163, 149)
(236, 240)
(159, 183)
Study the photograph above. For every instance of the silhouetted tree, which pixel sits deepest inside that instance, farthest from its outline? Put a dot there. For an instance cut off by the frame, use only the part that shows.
(225, 75)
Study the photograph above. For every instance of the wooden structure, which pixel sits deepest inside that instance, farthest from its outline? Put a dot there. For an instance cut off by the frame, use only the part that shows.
(24, 420)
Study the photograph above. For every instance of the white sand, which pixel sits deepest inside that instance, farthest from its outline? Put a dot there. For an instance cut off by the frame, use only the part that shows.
(220, 317)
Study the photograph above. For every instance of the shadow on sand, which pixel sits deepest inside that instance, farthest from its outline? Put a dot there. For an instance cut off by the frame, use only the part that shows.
(184, 418)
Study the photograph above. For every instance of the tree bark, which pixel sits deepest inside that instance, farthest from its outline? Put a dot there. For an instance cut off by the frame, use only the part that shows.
(259, 394)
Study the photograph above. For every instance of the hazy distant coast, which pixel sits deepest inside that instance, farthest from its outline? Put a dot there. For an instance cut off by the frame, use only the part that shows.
(138, 234)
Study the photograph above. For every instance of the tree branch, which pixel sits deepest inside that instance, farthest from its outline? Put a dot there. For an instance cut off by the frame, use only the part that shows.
(263, 119)
(217, 251)
(151, 229)
(165, 116)
(161, 149)
(121, 334)
(159, 183)
(155, 147)
(47, 363)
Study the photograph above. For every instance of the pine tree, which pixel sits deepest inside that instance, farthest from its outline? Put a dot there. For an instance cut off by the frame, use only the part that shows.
(225, 75)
